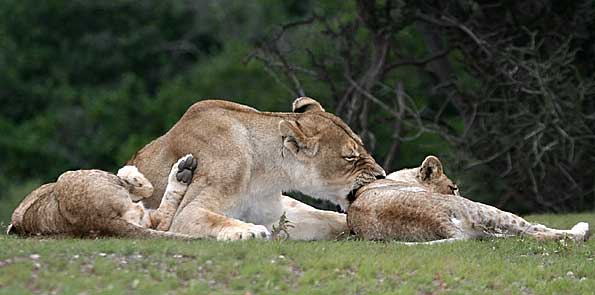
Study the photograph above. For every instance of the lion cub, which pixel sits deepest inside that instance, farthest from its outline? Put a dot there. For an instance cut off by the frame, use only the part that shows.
(95, 202)
(422, 204)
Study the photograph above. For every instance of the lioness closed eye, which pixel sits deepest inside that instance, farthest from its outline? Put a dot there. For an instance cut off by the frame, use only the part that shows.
(421, 204)
(248, 158)
(96, 202)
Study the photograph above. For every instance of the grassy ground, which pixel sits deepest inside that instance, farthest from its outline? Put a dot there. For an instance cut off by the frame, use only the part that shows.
(113, 266)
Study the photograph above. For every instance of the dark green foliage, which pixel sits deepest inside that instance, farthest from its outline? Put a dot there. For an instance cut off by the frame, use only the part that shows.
(531, 121)
(503, 91)
(85, 84)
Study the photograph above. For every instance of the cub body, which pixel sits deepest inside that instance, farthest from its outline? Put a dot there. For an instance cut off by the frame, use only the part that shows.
(95, 202)
(422, 204)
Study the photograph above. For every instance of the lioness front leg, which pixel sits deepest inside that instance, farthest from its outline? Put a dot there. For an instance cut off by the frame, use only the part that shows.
(197, 221)
(309, 223)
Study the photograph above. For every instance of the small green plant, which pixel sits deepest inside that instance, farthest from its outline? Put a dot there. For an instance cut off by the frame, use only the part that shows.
(281, 228)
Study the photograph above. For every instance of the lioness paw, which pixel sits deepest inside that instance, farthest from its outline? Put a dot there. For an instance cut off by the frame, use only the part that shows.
(186, 166)
(245, 232)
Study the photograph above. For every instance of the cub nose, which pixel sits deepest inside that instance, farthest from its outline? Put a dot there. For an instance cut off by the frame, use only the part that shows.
(379, 172)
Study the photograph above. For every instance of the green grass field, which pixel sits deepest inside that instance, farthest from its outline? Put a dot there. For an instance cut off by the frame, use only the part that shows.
(114, 266)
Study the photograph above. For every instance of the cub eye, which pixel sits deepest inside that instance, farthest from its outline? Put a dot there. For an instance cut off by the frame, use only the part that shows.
(350, 158)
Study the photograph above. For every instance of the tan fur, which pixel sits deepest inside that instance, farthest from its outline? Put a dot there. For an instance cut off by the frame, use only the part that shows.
(410, 205)
(162, 218)
(96, 203)
(309, 223)
(248, 158)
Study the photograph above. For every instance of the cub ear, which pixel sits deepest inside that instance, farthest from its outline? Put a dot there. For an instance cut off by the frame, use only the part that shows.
(305, 104)
(431, 168)
(296, 141)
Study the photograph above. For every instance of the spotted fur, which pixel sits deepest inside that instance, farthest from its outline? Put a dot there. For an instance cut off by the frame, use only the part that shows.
(98, 203)
(420, 206)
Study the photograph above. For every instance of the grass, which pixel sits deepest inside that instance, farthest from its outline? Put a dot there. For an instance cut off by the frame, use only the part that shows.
(114, 266)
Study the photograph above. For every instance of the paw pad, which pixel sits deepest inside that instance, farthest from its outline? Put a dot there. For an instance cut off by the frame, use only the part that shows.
(186, 168)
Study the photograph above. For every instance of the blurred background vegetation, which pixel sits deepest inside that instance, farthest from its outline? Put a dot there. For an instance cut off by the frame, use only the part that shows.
(502, 91)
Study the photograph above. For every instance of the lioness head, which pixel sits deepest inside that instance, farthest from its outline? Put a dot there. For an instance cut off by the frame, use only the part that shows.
(334, 160)
(429, 175)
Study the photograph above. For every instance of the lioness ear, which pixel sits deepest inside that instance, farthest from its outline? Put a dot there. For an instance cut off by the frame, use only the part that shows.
(295, 140)
(305, 104)
(430, 168)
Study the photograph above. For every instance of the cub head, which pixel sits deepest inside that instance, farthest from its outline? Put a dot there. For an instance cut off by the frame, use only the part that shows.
(136, 183)
(332, 160)
(430, 175)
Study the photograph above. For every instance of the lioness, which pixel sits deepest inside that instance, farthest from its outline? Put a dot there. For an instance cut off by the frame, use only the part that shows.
(422, 204)
(248, 158)
(95, 202)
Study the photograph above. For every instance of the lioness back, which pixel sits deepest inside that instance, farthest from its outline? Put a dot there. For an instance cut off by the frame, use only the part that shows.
(220, 125)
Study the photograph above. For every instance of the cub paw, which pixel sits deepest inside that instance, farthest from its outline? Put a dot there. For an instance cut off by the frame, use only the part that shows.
(186, 166)
(581, 231)
(10, 229)
(246, 232)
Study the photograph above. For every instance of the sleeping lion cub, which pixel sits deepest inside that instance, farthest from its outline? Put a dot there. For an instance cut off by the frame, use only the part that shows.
(422, 204)
(95, 202)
